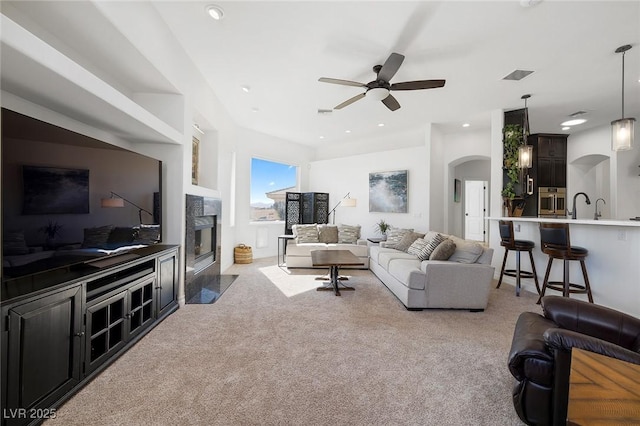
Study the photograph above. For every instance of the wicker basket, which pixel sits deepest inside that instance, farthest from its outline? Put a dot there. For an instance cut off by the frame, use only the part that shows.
(243, 254)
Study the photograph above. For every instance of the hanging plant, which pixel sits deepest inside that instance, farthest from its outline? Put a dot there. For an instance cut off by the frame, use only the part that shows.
(512, 139)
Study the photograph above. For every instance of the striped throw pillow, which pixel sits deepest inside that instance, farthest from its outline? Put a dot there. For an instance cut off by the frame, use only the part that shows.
(417, 247)
(307, 233)
(348, 234)
(395, 235)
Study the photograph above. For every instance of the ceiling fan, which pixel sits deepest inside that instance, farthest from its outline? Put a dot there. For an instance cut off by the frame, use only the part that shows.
(379, 88)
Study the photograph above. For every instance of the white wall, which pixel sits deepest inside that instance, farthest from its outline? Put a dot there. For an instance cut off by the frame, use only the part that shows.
(351, 174)
(252, 144)
(601, 173)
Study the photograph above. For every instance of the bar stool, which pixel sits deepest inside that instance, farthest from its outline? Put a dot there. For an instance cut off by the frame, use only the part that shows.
(510, 243)
(555, 243)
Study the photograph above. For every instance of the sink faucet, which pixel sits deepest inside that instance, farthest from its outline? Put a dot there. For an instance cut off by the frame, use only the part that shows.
(587, 200)
(597, 214)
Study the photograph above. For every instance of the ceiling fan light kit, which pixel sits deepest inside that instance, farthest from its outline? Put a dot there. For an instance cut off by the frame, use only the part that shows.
(379, 89)
(377, 93)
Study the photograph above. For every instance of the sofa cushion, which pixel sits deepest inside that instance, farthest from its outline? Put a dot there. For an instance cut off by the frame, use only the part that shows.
(14, 244)
(395, 235)
(348, 234)
(407, 240)
(328, 233)
(444, 250)
(358, 250)
(96, 237)
(384, 258)
(304, 249)
(375, 251)
(407, 271)
(307, 233)
(466, 251)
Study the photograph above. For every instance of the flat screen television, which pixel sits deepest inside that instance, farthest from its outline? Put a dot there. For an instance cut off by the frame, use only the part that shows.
(55, 178)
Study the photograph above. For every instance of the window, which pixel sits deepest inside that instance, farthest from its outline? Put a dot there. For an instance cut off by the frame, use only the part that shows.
(269, 183)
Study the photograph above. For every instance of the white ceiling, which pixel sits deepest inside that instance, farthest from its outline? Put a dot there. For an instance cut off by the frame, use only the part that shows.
(280, 49)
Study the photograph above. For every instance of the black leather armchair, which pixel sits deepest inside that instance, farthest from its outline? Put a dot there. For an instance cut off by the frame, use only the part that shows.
(540, 356)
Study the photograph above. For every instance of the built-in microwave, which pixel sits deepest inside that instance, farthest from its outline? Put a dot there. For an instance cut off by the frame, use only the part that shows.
(552, 202)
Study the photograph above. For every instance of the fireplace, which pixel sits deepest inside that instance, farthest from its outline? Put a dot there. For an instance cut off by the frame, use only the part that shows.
(204, 247)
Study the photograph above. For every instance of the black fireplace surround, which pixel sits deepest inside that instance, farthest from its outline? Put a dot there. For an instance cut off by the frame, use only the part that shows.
(202, 249)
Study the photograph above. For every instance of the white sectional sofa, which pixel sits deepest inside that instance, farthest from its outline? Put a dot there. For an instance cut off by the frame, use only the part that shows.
(308, 238)
(463, 281)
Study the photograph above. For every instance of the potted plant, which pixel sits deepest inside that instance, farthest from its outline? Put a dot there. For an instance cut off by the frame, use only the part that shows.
(50, 230)
(512, 139)
(382, 227)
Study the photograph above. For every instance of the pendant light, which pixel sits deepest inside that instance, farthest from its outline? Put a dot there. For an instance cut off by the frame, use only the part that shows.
(525, 151)
(622, 130)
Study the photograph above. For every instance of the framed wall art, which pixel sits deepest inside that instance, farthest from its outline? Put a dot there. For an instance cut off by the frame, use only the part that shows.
(388, 191)
(53, 190)
(457, 188)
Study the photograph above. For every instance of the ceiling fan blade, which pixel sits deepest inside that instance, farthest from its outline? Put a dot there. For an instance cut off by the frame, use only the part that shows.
(350, 101)
(416, 85)
(390, 67)
(342, 82)
(391, 103)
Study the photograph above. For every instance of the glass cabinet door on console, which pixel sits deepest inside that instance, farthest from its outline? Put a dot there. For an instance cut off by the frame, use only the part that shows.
(106, 329)
(167, 285)
(41, 363)
(113, 321)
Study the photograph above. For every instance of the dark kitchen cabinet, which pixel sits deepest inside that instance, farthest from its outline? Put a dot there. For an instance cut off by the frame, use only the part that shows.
(551, 153)
(42, 341)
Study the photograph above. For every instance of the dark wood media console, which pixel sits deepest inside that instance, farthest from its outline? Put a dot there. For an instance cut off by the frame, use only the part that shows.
(60, 328)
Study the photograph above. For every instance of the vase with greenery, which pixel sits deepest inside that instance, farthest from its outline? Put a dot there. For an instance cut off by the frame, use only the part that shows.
(51, 231)
(512, 139)
(382, 227)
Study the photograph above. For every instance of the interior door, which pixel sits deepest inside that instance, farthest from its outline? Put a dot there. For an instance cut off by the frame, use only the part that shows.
(474, 201)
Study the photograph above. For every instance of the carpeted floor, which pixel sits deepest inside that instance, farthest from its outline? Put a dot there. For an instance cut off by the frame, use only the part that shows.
(273, 351)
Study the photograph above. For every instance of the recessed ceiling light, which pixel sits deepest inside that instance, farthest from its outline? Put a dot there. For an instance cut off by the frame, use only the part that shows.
(466, 125)
(574, 122)
(254, 109)
(566, 128)
(380, 124)
(215, 11)
(347, 131)
(321, 137)
(245, 89)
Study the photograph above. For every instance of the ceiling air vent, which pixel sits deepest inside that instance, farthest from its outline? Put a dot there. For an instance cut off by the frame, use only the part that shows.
(517, 75)
(577, 113)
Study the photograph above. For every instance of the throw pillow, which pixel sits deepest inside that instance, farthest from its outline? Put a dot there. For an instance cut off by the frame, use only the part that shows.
(147, 235)
(307, 233)
(121, 235)
(466, 251)
(433, 244)
(444, 250)
(407, 240)
(417, 247)
(14, 244)
(395, 235)
(96, 237)
(348, 234)
(328, 234)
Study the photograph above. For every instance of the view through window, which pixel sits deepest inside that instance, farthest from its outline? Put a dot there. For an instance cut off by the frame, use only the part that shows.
(269, 183)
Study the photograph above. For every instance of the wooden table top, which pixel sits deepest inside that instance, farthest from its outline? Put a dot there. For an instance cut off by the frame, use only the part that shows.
(602, 390)
(334, 258)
